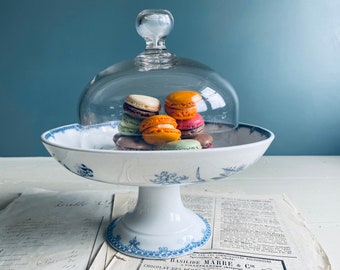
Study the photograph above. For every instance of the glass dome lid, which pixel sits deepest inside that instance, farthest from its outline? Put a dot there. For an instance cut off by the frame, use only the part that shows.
(156, 72)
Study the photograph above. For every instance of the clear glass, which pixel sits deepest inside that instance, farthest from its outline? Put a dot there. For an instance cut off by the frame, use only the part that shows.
(157, 72)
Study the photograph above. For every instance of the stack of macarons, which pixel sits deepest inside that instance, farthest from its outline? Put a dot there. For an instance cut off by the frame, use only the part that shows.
(181, 128)
(183, 106)
(136, 109)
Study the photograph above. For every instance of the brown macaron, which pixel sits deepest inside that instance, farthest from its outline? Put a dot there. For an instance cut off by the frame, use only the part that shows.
(205, 140)
(141, 106)
(129, 143)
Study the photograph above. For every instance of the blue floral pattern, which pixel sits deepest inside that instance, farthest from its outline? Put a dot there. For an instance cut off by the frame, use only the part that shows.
(84, 171)
(133, 246)
(53, 132)
(198, 176)
(226, 172)
(167, 178)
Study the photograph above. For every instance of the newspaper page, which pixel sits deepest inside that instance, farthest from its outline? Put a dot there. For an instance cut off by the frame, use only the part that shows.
(248, 232)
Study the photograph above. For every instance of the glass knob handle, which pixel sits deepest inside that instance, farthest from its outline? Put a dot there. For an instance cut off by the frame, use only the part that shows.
(154, 25)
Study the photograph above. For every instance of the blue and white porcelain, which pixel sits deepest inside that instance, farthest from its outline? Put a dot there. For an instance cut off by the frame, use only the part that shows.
(89, 152)
(160, 226)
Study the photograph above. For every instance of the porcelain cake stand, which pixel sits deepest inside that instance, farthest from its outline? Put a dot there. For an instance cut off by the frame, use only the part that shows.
(159, 226)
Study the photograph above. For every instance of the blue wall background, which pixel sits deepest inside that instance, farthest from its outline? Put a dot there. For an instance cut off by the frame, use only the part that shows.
(282, 57)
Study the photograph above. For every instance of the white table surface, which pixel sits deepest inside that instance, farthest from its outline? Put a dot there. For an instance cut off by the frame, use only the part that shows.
(311, 182)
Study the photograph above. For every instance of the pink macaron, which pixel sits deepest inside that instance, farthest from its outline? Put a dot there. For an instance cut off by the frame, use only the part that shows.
(191, 127)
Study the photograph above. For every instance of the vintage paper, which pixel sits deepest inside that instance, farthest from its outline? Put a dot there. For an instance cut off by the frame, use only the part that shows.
(51, 230)
(249, 232)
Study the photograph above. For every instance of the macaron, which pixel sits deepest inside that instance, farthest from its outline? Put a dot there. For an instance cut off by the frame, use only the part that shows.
(129, 125)
(130, 143)
(182, 104)
(186, 144)
(159, 129)
(205, 140)
(141, 106)
(191, 127)
(116, 137)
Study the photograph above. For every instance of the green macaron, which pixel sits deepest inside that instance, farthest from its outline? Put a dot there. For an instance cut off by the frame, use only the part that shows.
(129, 125)
(185, 144)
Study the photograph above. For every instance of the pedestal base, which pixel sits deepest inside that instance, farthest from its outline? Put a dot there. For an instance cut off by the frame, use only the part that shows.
(159, 227)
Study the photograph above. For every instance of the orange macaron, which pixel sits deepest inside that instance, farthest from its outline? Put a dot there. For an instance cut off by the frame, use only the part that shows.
(182, 105)
(159, 129)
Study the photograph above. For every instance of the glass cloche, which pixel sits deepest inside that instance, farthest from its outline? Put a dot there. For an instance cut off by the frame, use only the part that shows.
(156, 72)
